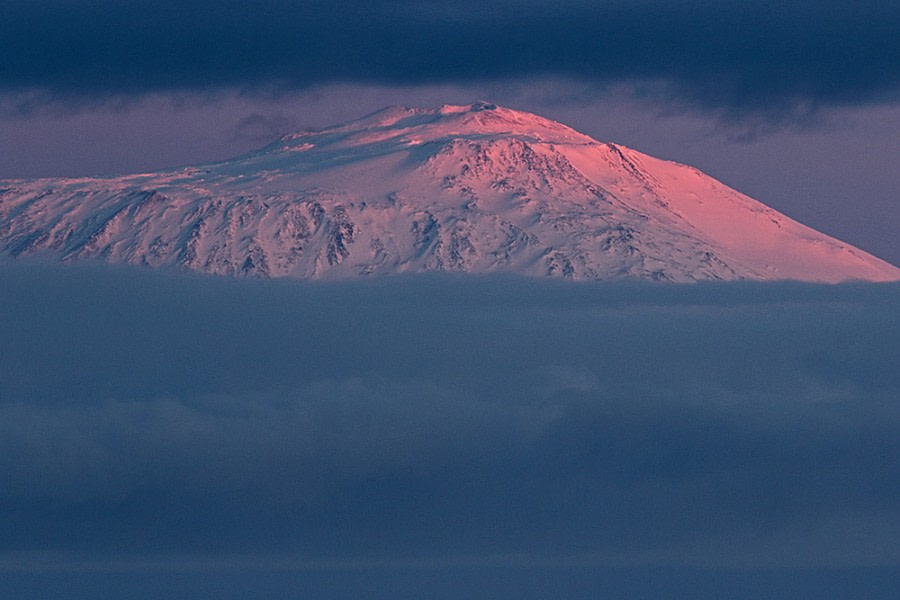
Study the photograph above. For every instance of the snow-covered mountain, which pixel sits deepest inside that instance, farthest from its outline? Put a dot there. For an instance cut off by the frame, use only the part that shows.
(475, 188)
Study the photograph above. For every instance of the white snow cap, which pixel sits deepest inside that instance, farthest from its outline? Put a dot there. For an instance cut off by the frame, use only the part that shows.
(469, 188)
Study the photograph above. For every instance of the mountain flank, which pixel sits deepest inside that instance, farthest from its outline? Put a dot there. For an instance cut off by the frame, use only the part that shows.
(475, 188)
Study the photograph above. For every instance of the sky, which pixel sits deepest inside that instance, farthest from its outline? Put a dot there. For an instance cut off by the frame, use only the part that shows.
(794, 103)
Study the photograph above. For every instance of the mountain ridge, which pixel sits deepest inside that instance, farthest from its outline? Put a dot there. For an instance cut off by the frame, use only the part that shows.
(471, 188)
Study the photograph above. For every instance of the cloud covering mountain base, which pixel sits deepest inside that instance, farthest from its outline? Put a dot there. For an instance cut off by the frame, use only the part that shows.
(193, 425)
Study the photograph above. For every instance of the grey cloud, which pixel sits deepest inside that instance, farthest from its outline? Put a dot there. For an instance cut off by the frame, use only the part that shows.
(260, 128)
(445, 421)
(772, 58)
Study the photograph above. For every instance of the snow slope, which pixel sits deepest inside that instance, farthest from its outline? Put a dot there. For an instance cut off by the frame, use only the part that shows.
(476, 188)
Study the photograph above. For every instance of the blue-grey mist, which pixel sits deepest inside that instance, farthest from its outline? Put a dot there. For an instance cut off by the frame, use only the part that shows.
(172, 435)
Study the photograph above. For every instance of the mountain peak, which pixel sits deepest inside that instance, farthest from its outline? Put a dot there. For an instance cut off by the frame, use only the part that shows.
(404, 125)
(477, 106)
(471, 188)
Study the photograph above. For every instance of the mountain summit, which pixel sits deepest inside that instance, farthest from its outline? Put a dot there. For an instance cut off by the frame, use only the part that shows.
(475, 188)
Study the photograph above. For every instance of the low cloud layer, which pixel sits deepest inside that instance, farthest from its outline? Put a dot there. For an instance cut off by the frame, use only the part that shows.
(443, 421)
(738, 56)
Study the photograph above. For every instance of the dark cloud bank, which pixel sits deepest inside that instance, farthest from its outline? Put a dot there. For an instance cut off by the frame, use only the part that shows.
(174, 436)
(741, 56)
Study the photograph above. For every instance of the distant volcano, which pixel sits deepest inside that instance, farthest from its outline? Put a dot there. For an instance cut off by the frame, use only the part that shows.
(475, 188)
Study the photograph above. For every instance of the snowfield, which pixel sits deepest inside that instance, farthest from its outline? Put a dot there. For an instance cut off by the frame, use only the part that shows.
(475, 188)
